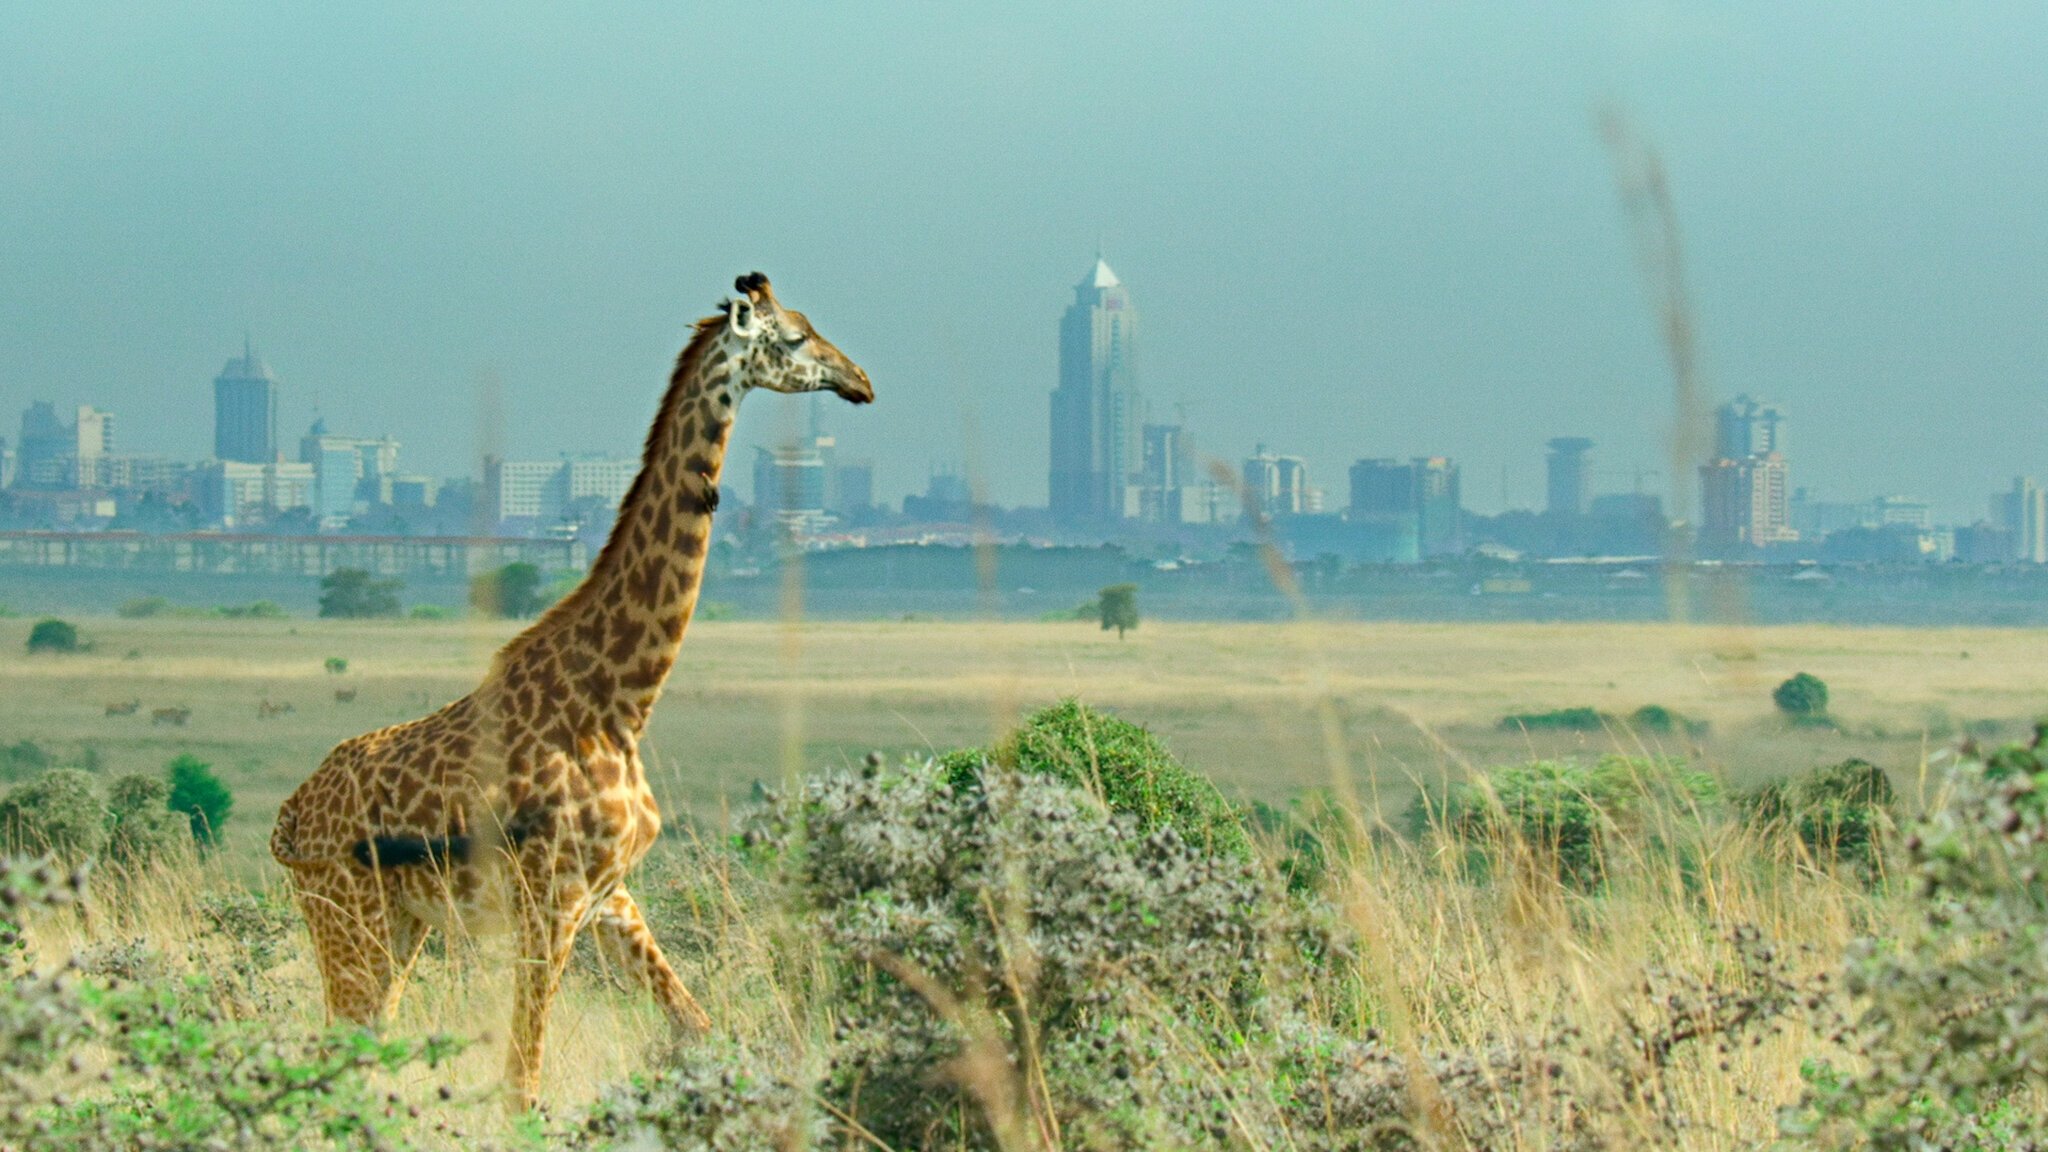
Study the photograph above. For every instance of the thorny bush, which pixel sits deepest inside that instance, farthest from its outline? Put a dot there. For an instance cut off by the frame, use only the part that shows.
(89, 1063)
(985, 925)
(1951, 1019)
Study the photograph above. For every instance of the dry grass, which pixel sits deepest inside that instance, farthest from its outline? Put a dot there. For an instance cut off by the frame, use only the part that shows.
(1446, 963)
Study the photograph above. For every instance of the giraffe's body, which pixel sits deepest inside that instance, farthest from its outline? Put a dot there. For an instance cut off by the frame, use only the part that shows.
(525, 803)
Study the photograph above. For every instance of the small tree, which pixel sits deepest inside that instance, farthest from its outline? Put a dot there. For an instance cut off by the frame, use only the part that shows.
(200, 796)
(512, 591)
(336, 665)
(1803, 697)
(52, 636)
(352, 593)
(1119, 603)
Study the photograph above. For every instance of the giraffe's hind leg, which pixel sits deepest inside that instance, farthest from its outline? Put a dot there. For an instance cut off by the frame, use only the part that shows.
(365, 945)
(623, 934)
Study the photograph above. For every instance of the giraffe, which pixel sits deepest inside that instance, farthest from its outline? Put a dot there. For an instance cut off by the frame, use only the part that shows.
(523, 804)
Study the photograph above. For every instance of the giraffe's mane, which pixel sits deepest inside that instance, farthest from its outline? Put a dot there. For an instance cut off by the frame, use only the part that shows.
(657, 435)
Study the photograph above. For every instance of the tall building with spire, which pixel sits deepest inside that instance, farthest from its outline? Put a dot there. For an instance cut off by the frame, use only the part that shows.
(245, 410)
(1097, 417)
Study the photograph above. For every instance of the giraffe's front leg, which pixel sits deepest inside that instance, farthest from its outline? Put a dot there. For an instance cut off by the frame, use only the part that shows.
(546, 933)
(624, 934)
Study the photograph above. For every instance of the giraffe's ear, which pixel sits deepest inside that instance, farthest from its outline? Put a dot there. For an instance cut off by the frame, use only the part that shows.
(741, 318)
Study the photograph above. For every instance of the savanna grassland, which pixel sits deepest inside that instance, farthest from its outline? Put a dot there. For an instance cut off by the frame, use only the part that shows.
(1243, 703)
(1640, 957)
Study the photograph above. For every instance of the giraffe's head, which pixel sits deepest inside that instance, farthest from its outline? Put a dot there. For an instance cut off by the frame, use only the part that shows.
(777, 348)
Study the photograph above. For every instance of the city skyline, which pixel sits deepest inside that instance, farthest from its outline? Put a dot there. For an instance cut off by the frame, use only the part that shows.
(1378, 247)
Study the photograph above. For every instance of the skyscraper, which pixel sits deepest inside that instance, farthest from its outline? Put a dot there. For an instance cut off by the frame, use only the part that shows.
(1744, 504)
(1745, 427)
(245, 411)
(1097, 417)
(1569, 482)
(2023, 512)
(1745, 499)
(1276, 485)
(1439, 506)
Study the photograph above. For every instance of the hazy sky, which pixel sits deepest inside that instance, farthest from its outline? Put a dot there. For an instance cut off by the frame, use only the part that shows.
(1351, 229)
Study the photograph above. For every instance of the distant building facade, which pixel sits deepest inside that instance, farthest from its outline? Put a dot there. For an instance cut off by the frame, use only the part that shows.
(1745, 490)
(1567, 475)
(245, 411)
(238, 492)
(1097, 413)
(1746, 427)
(1744, 504)
(2023, 514)
(545, 491)
(1278, 486)
(1417, 507)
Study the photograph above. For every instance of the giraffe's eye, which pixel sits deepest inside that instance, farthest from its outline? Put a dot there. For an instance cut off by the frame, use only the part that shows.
(795, 340)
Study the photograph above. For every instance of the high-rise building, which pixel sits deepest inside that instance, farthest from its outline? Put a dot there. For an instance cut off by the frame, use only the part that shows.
(1745, 490)
(547, 490)
(235, 492)
(245, 411)
(854, 481)
(1744, 504)
(1439, 506)
(2023, 513)
(1097, 415)
(1422, 499)
(1277, 485)
(789, 485)
(1569, 479)
(1745, 427)
(1908, 510)
(94, 433)
(1382, 489)
(45, 440)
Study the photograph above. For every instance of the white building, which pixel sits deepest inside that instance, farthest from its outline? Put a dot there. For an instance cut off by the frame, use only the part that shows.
(233, 491)
(543, 490)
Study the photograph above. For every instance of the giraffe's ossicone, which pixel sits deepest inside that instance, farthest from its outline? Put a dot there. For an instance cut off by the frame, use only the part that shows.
(523, 804)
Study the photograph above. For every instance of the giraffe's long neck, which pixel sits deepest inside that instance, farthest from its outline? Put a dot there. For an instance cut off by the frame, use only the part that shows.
(616, 636)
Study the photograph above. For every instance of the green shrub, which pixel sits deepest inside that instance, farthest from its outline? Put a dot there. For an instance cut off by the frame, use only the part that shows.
(1565, 812)
(1556, 720)
(352, 593)
(143, 607)
(52, 636)
(512, 592)
(141, 828)
(1804, 697)
(335, 665)
(1662, 721)
(198, 795)
(1844, 812)
(259, 610)
(58, 813)
(428, 612)
(24, 756)
(1015, 916)
(1950, 1024)
(1120, 762)
(173, 1069)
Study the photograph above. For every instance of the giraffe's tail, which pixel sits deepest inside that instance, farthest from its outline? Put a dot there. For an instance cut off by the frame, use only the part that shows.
(283, 839)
